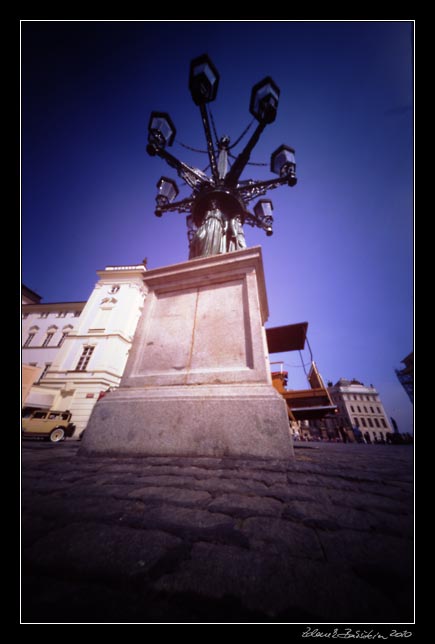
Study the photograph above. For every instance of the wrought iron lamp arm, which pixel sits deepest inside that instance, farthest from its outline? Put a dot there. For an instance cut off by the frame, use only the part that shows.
(239, 164)
(252, 220)
(184, 205)
(194, 177)
(255, 189)
(209, 139)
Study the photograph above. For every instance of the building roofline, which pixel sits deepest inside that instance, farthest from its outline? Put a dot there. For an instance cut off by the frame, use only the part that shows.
(25, 290)
(55, 304)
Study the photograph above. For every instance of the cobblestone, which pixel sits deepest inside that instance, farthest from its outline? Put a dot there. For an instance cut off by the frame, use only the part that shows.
(326, 538)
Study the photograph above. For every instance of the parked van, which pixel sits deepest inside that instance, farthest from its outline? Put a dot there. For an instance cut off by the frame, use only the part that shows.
(53, 425)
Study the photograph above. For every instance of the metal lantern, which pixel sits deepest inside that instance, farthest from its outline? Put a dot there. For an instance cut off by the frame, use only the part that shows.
(264, 100)
(283, 163)
(217, 206)
(203, 80)
(161, 130)
(263, 212)
(168, 190)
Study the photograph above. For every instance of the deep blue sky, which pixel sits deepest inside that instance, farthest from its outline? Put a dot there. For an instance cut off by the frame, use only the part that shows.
(341, 256)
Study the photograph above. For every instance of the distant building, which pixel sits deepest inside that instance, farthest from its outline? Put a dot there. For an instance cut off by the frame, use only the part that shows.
(360, 412)
(76, 351)
(406, 375)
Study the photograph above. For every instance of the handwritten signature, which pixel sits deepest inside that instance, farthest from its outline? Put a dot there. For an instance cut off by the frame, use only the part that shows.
(349, 633)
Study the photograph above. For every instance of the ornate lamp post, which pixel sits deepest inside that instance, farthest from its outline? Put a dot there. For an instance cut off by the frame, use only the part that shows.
(217, 206)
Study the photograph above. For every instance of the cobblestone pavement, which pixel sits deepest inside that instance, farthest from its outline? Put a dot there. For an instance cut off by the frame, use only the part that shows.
(327, 538)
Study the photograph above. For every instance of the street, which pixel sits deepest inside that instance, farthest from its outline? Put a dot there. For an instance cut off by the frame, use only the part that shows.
(325, 538)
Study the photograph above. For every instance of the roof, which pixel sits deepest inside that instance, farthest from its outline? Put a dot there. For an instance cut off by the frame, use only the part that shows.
(53, 306)
(287, 338)
(29, 296)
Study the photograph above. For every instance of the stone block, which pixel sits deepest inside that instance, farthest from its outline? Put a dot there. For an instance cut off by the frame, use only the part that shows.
(197, 381)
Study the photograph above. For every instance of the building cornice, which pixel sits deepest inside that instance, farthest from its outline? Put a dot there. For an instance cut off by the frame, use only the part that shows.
(111, 273)
(98, 335)
(53, 306)
(81, 376)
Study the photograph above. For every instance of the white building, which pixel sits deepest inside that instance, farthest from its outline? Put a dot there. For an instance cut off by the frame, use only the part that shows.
(80, 348)
(360, 407)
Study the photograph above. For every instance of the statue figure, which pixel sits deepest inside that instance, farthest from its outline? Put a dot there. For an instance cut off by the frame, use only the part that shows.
(216, 234)
(235, 234)
(210, 237)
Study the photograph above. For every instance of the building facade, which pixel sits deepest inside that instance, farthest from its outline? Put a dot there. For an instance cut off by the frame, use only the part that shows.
(360, 412)
(78, 350)
(406, 375)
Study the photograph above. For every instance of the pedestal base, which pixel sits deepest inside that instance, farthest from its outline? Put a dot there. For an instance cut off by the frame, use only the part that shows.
(197, 381)
(213, 420)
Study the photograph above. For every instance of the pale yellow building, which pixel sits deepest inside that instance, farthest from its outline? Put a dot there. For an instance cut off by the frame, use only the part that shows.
(75, 351)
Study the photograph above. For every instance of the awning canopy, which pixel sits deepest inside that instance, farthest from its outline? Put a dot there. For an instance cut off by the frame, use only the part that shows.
(287, 338)
(40, 398)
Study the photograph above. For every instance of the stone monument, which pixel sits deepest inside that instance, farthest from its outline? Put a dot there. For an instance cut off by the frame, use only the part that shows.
(197, 381)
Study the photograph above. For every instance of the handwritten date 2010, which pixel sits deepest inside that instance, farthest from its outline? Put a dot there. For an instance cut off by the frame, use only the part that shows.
(349, 633)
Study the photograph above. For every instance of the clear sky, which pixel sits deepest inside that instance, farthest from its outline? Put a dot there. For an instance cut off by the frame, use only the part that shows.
(341, 256)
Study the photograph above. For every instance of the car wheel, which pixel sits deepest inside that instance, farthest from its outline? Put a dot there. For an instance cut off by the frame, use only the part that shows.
(57, 435)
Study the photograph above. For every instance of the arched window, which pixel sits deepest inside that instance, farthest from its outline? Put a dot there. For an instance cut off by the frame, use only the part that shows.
(32, 332)
(65, 331)
(50, 333)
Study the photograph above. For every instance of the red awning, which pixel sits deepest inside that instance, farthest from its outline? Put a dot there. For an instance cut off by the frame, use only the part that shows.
(287, 338)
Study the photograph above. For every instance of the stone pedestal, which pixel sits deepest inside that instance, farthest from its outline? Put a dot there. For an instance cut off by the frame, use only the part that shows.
(197, 381)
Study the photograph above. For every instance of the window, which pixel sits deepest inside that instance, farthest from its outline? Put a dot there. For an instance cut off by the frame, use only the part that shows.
(359, 408)
(44, 315)
(29, 339)
(47, 339)
(356, 422)
(64, 334)
(377, 422)
(115, 288)
(352, 409)
(76, 314)
(369, 420)
(61, 314)
(365, 410)
(363, 422)
(39, 414)
(372, 410)
(25, 316)
(379, 410)
(84, 358)
(46, 368)
(383, 423)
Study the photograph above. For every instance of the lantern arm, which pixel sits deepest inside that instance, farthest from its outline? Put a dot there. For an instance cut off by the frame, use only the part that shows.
(252, 220)
(184, 205)
(209, 139)
(194, 177)
(243, 158)
(252, 189)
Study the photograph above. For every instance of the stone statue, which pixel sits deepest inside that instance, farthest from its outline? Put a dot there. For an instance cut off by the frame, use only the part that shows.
(235, 234)
(217, 234)
(209, 238)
